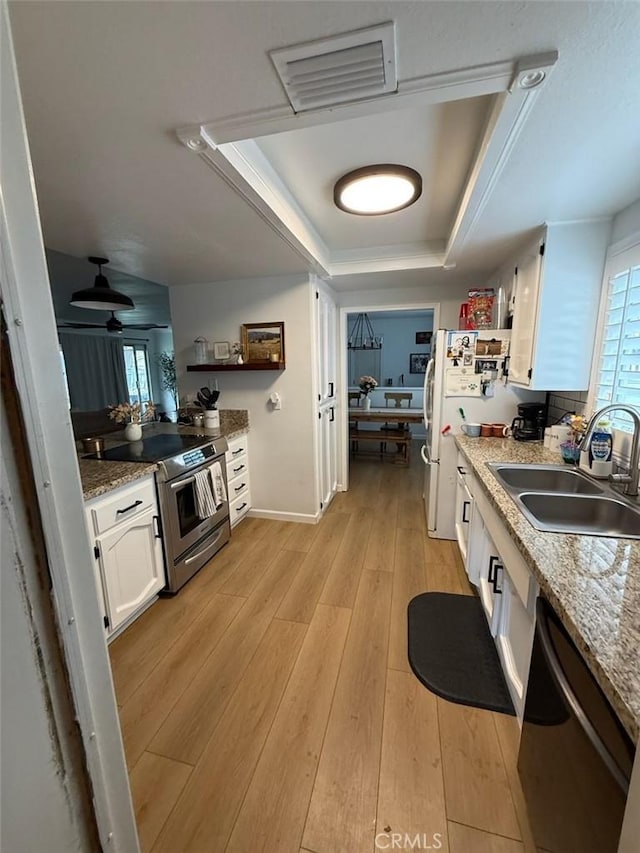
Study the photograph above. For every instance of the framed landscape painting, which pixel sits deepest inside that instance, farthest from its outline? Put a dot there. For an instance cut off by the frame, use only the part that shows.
(263, 342)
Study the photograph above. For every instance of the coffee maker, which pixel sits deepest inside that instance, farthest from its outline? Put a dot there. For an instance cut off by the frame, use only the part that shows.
(530, 422)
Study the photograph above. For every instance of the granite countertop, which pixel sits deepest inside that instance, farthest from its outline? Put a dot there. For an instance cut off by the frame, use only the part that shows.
(592, 582)
(101, 476)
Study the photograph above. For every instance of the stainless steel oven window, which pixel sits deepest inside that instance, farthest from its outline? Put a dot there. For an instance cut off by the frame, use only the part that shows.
(186, 513)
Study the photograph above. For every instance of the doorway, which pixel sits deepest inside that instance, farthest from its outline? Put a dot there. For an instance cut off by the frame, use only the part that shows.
(390, 344)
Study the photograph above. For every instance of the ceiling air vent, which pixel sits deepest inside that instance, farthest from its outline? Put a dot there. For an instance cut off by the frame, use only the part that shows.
(349, 67)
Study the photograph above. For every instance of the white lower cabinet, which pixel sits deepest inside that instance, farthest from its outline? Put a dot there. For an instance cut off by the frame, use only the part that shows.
(515, 641)
(238, 482)
(464, 509)
(125, 533)
(507, 591)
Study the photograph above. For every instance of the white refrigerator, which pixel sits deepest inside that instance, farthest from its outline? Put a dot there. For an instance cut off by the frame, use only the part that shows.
(452, 383)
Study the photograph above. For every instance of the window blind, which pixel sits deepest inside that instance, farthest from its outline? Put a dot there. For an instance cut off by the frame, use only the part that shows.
(619, 367)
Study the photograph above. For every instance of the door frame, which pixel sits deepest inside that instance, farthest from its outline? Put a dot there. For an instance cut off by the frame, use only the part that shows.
(343, 372)
(33, 342)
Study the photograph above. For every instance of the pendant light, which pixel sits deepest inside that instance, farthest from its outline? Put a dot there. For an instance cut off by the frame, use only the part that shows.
(362, 335)
(101, 297)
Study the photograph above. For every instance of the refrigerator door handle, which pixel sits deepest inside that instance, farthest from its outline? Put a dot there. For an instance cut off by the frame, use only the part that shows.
(426, 397)
(426, 458)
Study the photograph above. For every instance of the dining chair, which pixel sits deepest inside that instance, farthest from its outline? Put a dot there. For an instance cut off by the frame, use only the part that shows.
(398, 399)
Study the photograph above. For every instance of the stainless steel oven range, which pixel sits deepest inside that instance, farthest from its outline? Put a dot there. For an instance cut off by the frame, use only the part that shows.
(189, 541)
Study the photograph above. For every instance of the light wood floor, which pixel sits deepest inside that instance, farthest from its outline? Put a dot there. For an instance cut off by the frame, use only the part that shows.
(269, 706)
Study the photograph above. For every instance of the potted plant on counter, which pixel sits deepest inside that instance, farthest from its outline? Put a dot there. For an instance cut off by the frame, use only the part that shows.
(133, 415)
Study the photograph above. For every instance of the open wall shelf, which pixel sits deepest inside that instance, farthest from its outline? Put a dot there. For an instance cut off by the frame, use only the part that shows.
(223, 368)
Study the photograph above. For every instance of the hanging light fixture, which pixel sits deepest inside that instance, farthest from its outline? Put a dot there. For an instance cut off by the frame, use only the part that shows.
(101, 297)
(378, 189)
(362, 335)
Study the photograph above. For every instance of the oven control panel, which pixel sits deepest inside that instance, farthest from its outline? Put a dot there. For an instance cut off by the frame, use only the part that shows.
(198, 456)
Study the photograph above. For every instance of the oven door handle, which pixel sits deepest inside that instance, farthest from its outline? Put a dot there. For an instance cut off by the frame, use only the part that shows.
(184, 482)
(206, 550)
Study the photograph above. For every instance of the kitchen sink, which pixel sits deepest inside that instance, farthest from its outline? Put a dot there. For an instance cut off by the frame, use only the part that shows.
(560, 500)
(544, 478)
(599, 515)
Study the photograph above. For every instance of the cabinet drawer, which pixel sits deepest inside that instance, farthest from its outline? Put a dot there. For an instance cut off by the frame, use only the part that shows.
(122, 504)
(238, 508)
(237, 487)
(237, 447)
(237, 468)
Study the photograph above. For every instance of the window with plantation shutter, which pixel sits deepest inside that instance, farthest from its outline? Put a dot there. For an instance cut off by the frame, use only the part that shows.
(617, 378)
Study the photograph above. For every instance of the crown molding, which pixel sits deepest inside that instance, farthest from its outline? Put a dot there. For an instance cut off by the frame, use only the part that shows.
(418, 91)
(507, 119)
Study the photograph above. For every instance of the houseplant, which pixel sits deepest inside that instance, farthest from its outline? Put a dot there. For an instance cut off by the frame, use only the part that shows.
(167, 363)
(133, 415)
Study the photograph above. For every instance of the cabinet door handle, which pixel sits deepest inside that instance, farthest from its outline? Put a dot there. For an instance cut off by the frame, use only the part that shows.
(236, 452)
(239, 468)
(492, 560)
(127, 508)
(239, 488)
(497, 566)
(465, 506)
(331, 389)
(333, 415)
(241, 507)
(156, 527)
(461, 470)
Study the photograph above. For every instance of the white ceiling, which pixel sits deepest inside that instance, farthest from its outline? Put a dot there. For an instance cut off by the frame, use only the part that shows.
(106, 85)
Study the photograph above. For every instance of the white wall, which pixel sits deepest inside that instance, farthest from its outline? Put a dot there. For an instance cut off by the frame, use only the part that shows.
(449, 297)
(281, 442)
(626, 222)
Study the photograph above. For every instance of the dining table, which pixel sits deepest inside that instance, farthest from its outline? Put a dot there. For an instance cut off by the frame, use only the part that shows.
(400, 436)
(384, 414)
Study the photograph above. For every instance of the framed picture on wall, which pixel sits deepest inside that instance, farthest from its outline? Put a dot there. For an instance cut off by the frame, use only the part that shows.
(263, 341)
(418, 362)
(423, 337)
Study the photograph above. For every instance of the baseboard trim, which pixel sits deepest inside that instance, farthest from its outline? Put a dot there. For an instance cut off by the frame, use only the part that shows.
(274, 515)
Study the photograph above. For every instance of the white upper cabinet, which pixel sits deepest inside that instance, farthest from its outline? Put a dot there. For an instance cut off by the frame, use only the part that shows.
(557, 289)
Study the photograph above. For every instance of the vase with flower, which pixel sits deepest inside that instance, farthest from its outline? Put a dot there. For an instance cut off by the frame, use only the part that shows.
(132, 415)
(367, 384)
(237, 352)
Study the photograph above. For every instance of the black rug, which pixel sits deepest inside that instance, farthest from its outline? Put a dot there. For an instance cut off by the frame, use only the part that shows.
(452, 652)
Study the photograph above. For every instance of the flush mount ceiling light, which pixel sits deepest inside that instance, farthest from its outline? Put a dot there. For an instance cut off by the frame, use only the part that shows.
(378, 189)
(101, 297)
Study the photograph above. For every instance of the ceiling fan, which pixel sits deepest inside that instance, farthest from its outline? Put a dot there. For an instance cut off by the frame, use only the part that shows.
(113, 325)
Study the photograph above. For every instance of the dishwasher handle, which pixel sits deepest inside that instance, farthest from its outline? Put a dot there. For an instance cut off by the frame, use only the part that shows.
(570, 698)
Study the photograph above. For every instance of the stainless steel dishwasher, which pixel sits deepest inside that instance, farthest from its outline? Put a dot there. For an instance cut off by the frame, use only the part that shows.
(575, 758)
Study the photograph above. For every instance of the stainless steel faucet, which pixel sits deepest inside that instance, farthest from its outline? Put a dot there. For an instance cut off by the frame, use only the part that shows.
(631, 479)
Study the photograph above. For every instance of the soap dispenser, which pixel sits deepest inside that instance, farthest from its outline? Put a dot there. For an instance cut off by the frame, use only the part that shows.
(600, 450)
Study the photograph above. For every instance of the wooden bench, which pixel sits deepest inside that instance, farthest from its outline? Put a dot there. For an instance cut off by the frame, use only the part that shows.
(401, 438)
